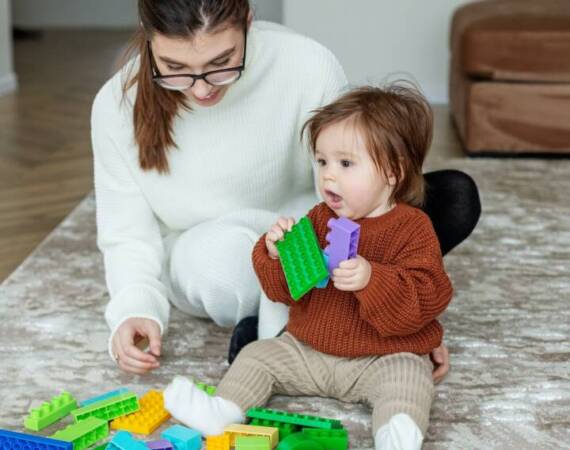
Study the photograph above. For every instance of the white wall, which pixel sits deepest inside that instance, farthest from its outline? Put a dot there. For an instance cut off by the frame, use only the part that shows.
(382, 39)
(271, 10)
(103, 13)
(75, 13)
(7, 77)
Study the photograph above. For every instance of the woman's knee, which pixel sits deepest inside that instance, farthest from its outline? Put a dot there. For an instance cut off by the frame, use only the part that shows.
(211, 264)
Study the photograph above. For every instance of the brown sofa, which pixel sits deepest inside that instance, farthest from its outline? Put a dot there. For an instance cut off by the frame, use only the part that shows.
(510, 76)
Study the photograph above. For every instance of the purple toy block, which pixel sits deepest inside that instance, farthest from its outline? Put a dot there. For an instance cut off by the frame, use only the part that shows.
(163, 444)
(343, 241)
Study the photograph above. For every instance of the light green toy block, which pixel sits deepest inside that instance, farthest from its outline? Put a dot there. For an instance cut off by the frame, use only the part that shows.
(108, 409)
(330, 439)
(50, 412)
(252, 443)
(210, 390)
(85, 433)
(295, 419)
(302, 259)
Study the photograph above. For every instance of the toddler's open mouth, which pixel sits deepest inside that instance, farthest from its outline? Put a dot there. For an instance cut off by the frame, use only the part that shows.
(334, 200)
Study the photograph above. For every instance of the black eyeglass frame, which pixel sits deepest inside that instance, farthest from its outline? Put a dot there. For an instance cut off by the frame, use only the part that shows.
(203, 76)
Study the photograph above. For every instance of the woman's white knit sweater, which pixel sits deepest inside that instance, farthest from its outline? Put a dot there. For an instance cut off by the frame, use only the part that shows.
(243, 153)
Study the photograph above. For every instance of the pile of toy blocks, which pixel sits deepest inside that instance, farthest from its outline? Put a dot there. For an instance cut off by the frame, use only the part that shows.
(121, 410)
(118, 410)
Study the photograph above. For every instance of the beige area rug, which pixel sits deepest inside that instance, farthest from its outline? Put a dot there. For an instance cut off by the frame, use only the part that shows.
(507, 327)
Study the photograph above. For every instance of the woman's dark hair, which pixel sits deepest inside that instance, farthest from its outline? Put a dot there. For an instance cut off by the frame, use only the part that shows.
(155, 108)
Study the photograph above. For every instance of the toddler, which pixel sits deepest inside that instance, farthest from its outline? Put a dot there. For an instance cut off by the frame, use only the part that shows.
(367, 336)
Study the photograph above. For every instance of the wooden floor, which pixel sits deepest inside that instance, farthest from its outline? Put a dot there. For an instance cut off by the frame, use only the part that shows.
(45, 150)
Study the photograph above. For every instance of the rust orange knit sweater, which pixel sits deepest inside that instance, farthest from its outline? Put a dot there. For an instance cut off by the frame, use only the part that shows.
(396, 312)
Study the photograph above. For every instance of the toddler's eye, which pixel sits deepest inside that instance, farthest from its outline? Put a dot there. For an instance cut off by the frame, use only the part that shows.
(346, 163)
(321, 162)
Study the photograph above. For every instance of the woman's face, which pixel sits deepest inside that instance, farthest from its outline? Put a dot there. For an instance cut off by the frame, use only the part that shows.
(206, 51)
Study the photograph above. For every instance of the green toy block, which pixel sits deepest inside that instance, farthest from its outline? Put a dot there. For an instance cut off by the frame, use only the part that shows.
(330, 439)
(252, 443)
(285, 429)
(108, 409)
(85, 433)
(50, 412)
(210, 390)
(302, 259)
(101, 447)
(299, 441)
(295, 419)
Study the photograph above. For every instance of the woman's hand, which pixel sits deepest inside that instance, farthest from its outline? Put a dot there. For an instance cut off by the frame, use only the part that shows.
(352, 274)
(276, 233)
(440, 359)
(128, 339)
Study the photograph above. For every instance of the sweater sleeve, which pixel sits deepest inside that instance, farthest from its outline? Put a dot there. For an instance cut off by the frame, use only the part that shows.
(410, 292)
(128, 233)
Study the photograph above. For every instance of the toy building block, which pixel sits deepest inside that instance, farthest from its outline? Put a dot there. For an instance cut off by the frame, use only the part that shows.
(301, 259)
(285, 429)
(108, 409)
(123, 440)
(85, 433)
(295, 419)
(183, 438)
(235, 430)
(343, 241)
(221, 442)
(101, 447)
(50, 412)
(104, 396)
(330, 439)
(147, 419)
(162, 444)
(210, 390)
(300, 441)
(20, 441)
(323, 284)
(252, 443)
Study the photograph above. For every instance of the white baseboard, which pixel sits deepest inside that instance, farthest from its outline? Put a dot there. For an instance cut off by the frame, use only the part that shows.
(8, 83)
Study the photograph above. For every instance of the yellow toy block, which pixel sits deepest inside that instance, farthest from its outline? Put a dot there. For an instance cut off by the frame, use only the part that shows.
(147, 419)
(251, 430)
(220, 442)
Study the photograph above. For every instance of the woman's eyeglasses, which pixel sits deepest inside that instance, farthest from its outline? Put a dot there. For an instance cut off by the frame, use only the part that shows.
(221, 77)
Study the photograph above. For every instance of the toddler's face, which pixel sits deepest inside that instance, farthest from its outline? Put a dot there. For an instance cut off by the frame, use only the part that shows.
(348, 180)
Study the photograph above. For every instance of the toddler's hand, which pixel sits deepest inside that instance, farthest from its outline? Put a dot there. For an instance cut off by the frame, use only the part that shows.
(352, 274)
(276, 233)
(126, 342)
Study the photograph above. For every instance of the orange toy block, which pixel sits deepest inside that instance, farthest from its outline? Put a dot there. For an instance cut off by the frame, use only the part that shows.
(221, 442)
(147, 419)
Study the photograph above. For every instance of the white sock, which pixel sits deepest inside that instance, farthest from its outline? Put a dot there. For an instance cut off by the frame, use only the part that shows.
(272, 317)
(198, 410)
(400, 433)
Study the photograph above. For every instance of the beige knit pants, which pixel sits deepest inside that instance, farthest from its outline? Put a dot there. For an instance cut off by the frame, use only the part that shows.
(391, 384)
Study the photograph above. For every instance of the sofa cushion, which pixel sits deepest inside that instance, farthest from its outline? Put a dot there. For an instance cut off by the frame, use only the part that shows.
(513, 40)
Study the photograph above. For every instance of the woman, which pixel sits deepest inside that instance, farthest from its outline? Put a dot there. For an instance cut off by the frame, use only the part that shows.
(196, 152)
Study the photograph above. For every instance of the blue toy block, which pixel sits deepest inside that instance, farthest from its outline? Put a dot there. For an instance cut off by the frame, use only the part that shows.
(20, 441)
(343, 241)
(105, 396)
(183, 438)
(124, 440)
(323, 284)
